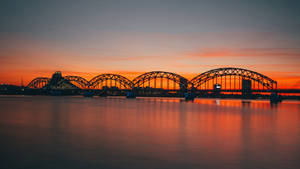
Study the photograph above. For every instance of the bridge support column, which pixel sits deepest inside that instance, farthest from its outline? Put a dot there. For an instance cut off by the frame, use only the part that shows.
(130, 94)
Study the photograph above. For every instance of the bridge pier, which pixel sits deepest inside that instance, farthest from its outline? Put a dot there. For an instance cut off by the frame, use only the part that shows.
(275, 98)
(130, 95)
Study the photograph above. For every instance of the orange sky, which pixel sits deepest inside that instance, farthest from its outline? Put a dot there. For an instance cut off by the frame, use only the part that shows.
(26, 59)
(29, 59)
(138, 37)
(284, 80)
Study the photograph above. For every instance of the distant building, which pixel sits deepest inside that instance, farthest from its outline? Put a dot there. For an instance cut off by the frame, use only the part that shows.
(58, 82)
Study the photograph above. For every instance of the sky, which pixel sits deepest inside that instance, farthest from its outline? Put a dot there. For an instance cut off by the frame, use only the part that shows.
(130, 37)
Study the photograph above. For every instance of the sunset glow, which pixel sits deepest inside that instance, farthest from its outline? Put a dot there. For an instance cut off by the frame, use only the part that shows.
(133, 39)
(138, 84)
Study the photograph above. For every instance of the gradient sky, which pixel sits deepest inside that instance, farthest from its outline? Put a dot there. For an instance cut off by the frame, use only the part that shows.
(130, 37)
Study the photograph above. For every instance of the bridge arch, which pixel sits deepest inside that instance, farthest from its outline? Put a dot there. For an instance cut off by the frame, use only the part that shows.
(78, 81)
(38, 82)
(111, 81)
(145, 79)
(232, 78)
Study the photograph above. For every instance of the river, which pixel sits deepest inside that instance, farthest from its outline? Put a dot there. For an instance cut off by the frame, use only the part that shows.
(44, 132)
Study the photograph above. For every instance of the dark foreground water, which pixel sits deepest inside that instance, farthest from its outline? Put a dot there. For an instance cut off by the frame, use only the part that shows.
(147, 133)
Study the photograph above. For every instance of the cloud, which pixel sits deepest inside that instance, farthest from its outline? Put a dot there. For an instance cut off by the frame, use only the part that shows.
(246, 52)
(126, 58)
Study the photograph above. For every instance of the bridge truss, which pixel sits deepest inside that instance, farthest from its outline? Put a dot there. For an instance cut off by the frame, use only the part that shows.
(232, 79)
(38, 82)
(78, 81)
(228, 79)
(110, 81)
(161, 80)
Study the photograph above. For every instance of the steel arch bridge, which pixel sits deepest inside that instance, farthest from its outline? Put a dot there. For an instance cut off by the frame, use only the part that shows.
(38, 82)
(79, 81)
(120, 82)
(145, 79)
(230, 78)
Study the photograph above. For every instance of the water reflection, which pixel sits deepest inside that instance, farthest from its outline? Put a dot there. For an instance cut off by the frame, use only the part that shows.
(68, 132)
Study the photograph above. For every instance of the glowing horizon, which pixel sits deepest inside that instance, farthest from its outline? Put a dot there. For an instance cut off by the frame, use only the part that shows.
(135, 37)
(131, 75)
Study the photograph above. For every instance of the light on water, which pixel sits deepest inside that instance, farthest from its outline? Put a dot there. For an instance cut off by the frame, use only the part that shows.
(76, 132)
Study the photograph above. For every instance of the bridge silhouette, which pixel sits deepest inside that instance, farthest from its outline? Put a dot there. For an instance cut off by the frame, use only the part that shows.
(228, 80)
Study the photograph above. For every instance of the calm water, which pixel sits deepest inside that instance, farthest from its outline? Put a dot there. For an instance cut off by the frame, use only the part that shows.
(147, 133)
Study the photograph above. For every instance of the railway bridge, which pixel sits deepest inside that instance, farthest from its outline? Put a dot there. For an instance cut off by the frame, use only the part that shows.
(221, 81)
